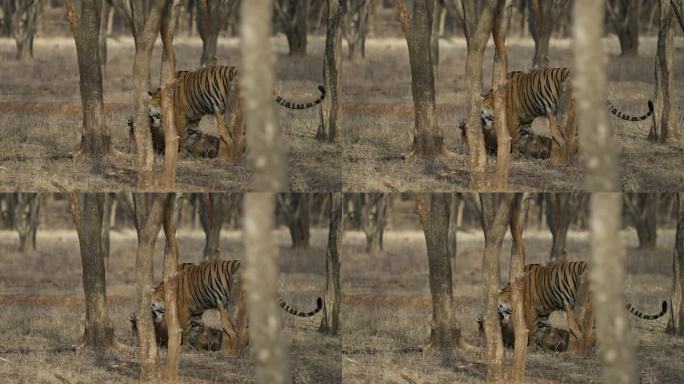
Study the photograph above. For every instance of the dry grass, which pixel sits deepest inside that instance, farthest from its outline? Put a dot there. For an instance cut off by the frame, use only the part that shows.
(388, 308)
(379, 109)
(40, 121)
(43, 312)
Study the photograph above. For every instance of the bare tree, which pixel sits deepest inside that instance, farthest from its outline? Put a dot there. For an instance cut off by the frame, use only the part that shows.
(169, 370)
(446, 331)
(477, 27)
(26, 208)
(495, 214)
(664, 127)
(212, 16)
(332, 74)
(545, 15)
(356, 17)
(146, 24)
(266, 154)
(428, 137)
(607, 276)
(168, 88)
(676, 323)
(107, 11)
(87, 210)
(216, 207)
(624, 15)
(374, 213)
(499, 76)
(23, 26)
(596, 136)
(330, 323)
(292, 15)
(148, 213)
(643, 210)
(296, 209)
(84, 19)
(562, 209)
(520, 207)
(678, 9)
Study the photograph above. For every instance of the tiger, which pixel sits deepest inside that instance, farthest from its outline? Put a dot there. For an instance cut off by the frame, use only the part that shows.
(208, 91)
(534, 94)
(199, 336)
(207, 286)
(547, 288)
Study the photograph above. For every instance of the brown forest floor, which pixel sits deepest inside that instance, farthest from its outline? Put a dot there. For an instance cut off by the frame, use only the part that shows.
(379, 112)
(40, 121)
(42, 314)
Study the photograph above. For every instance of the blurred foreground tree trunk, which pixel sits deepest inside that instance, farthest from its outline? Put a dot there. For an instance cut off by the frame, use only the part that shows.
(293, 15)
(84, 19)
(296, 208)
(643, 210)
(87, 210)
(495, 215)
(330, 323)
(328, 129)
(676, 324)
(23, 24)
(212, 16)
(445, 333)
(624, 15)
(664, 127)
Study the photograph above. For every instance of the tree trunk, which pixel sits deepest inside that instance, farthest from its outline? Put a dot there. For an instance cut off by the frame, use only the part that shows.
(219, 207)
(7, 12)
(292, 15)
(330, 323)
(624, 15)
(600, 158)
(607, 274)
(168, 89)
(517, 223)
(495, 214)
(434, 37)
(332, 74)
(562, 209)
(146, 26)
(499, 77)
(643, 210)
(267, 342)
(95, 137)
(664, 127)
(428, 139)
(102, 38)
(212, 16)
(676, 324)
(266, 154)
(477, 28)
(374, 213)
(445, 333)
(169, 370)
(544, 16)
(87, 211)
(25, 218)
(148, 213)
(456, 202)
(109, 200)
(24, 27)
(296, 208)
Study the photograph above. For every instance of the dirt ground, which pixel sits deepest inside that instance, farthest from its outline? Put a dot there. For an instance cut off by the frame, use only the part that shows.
(40, 120)
(387, 311)
(42, 315)
(379, 105)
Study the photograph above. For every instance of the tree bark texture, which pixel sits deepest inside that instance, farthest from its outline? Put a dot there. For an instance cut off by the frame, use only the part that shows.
(168, 87)
(664, 127)
(260, 275)
(330, 323)
(499, 76)
(676, 323)
(169, 370)
(332, 74)
(643, 210)
(87, 211)
(607, 274)
(520, 206)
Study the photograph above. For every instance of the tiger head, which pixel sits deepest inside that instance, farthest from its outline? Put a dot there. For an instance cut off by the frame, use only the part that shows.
(158, 307)
(154, 110)
(504, 307)
(487, 110)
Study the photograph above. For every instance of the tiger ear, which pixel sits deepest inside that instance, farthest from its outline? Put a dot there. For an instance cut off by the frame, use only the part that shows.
(150, 93)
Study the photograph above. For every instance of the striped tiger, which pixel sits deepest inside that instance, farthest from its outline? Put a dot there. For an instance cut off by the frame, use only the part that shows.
(535, 94)
(207, 286)
(207, 91)
(547, 288)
